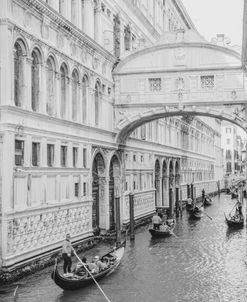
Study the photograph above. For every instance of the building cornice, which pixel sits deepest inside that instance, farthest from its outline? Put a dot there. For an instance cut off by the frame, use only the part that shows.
(183, 14)
(68, 27)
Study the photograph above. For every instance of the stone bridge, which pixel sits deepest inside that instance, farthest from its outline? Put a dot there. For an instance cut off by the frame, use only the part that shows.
(181, 75)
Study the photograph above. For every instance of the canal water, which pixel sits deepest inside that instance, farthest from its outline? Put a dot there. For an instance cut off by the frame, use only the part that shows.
(204, 262)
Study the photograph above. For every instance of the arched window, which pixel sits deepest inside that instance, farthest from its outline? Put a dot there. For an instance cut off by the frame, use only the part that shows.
(97, 103)
(75, 90)
(18, 74)
(84, 98)
(63, 90)
(35, 79)
(50, 85)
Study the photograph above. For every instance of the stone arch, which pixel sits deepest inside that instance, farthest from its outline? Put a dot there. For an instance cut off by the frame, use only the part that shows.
(127, 125)
(38, 48)
(114, 188)
(51, 86)
(20, 51)
(98, 188)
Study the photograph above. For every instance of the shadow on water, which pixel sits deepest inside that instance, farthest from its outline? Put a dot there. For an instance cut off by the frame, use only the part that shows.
(230, 233)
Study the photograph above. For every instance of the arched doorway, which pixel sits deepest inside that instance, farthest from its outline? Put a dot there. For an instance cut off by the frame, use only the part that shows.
(177, 180)
(164, 183)
(157, 182)
(98, 171)
(171, 182)
(114, 189)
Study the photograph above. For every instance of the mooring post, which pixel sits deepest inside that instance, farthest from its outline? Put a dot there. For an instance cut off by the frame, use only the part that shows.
(118, 224)
(132, 216)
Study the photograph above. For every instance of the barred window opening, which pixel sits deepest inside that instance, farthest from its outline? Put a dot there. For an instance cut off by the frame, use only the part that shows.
(155, 84)
(207, 82)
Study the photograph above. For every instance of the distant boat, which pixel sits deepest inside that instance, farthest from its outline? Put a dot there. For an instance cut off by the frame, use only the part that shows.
(189, 204)
(207, 201)
(197, 212)
(165, 229)
(236, 220)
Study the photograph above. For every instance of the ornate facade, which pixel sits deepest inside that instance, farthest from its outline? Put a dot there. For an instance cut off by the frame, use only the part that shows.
(61, 166)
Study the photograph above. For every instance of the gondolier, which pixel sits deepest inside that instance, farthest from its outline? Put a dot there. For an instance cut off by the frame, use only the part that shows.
(67, 251)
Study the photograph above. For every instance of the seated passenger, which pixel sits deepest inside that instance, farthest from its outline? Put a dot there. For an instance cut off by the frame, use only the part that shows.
(80, 269)
(93, 267)
(101, 265)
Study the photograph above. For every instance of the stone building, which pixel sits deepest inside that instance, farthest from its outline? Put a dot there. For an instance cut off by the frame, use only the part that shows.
(61, 166)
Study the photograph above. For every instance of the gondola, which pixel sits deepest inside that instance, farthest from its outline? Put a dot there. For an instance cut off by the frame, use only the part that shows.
(77, 282)
(207, 201)
(235, 221)
(197, 212)
(165, 230)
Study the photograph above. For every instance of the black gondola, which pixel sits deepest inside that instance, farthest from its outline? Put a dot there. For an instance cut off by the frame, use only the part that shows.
(197, 212)
(77, 282)
(235, 221)
(165, 229)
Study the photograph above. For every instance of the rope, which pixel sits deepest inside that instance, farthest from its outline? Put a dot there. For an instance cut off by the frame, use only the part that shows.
(92, 277)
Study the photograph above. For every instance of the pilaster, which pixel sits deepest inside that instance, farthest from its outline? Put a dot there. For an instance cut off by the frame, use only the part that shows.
(7, 167)
(6, 63)
(89, 18)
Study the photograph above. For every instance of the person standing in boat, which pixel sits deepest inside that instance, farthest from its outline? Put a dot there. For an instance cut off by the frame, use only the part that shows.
(67, 251)
(239, 208)
(157, 221)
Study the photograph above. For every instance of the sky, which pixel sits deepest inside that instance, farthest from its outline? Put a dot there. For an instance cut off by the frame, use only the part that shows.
(212, 17)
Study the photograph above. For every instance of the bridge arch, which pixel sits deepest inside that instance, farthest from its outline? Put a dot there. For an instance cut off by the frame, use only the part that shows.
(129, 125)
(180, 75)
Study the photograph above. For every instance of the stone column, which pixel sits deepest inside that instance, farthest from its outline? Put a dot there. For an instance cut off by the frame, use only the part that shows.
(28, 84)
(88, 18)
(6, 61)
(103, 206)
(43, 93)
(79, 14)
(55, 4)
(68, 9)
(98, 23)
(69, 99)
(58, 95)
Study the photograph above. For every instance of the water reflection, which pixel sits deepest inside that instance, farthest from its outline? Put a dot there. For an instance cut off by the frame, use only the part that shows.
(205, 262)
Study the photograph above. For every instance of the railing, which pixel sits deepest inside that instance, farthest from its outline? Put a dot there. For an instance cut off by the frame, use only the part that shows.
(41, 229)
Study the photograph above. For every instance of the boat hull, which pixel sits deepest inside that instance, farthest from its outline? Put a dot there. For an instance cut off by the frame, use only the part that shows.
(234, 224)
(160, 234)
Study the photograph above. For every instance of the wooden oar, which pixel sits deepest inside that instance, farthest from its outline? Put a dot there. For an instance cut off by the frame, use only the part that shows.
(173, 233)
(208, 216)
(91, 276)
